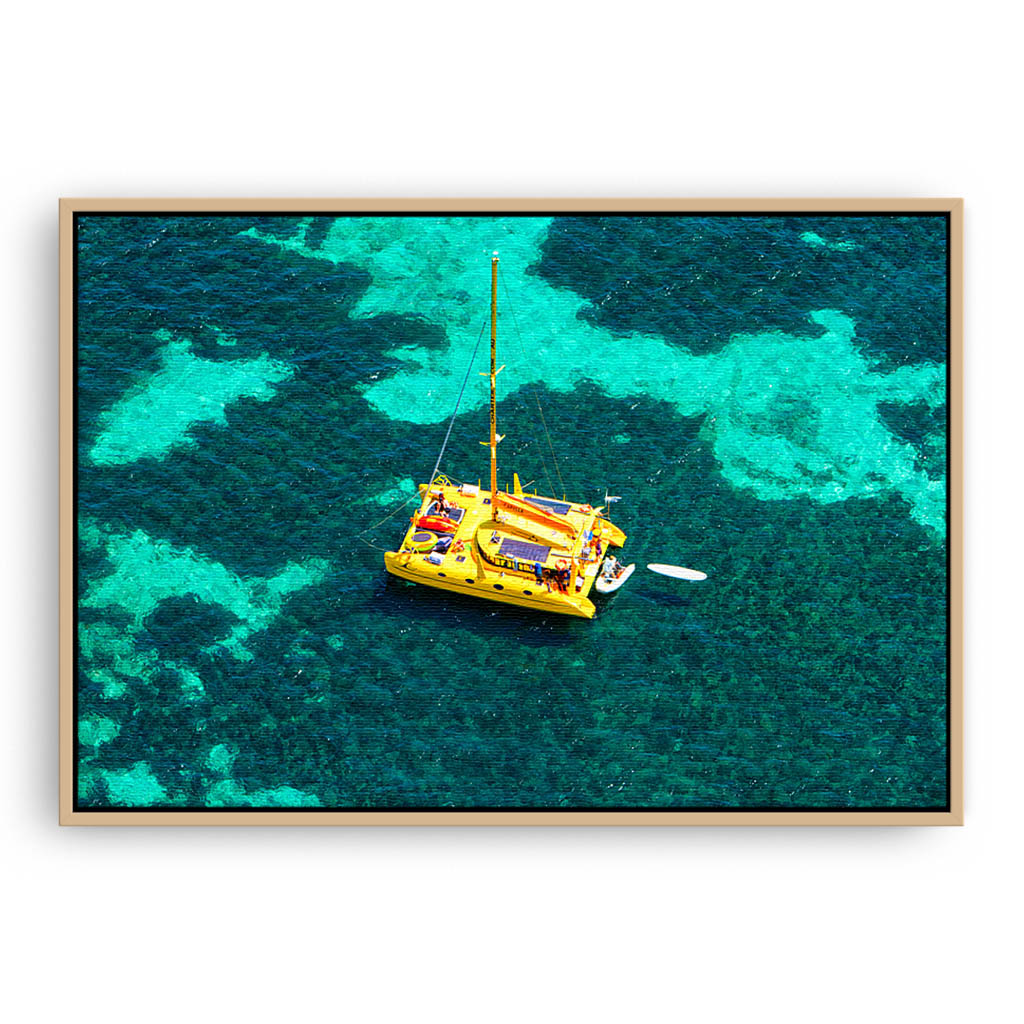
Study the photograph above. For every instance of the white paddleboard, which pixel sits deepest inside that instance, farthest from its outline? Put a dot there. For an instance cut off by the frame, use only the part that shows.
(608, 586)
(678, 572)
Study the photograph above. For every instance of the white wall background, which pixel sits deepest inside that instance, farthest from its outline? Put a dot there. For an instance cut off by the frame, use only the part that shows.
(594, 99)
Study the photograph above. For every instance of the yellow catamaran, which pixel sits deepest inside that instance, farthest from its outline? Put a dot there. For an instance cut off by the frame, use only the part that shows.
(519, 548)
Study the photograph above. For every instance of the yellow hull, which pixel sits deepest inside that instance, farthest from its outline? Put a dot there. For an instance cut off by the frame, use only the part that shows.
(476, 565)
(515, 590)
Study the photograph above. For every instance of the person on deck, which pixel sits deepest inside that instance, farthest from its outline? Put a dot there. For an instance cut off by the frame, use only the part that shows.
(611, 567)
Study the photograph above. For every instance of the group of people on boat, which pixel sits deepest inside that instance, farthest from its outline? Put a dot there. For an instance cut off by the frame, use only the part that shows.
(562, 577)
(558, 577)
(612, 568)
(591, 549)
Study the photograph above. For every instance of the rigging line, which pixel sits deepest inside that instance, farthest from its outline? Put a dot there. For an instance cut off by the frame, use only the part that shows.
(533, 391)
(455, 411)
(523, 405)
(417, 497)
(369, 545)
(547, 433)
(393, 512)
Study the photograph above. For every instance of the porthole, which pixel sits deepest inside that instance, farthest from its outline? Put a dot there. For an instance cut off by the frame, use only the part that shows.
(440, 574)
(471, 581)
(498, 586)
(528, 593)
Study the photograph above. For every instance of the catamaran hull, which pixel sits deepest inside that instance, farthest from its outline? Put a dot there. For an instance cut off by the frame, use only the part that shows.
(510, 589)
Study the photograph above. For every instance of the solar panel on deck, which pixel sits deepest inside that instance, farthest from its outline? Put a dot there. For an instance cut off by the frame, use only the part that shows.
(523, 550)
(561, 507)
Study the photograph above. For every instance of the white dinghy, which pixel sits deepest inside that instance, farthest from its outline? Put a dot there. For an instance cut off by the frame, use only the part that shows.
(609, 584)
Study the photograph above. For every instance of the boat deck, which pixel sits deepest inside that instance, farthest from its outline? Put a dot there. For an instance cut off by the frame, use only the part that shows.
(495, 550)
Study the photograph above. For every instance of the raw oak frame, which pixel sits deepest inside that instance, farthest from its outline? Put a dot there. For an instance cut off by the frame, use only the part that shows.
(954, 815)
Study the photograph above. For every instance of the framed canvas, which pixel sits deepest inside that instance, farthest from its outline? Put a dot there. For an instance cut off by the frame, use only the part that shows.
(511, 512)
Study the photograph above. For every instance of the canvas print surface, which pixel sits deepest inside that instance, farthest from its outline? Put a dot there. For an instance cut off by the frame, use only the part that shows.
(760, 399)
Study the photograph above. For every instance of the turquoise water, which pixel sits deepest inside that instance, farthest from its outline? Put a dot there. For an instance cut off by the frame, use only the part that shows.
(767, 394)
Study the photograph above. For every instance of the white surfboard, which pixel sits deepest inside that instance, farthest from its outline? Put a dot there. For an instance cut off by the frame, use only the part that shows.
(603, 585)
(678, 572)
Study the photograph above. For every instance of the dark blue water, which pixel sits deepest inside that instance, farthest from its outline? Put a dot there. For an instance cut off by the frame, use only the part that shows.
(242, 428)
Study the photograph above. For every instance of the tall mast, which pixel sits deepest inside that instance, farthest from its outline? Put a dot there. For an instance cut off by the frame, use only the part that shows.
(494, 373)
